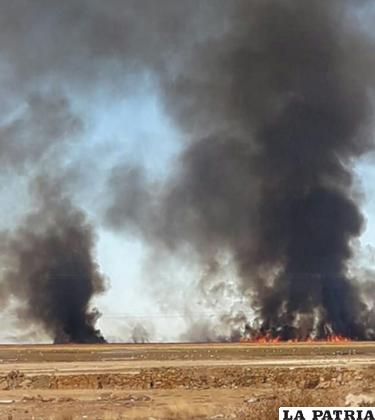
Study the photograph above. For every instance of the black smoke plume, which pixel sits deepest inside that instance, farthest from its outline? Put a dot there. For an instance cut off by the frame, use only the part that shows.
(51, 270)
(277, 103)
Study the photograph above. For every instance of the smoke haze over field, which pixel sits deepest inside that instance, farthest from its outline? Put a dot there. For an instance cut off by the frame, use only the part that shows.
(274, 102)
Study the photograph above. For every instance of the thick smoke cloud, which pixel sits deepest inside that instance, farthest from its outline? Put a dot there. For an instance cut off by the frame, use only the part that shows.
(49, 267)
(274, 99)
(278, 106)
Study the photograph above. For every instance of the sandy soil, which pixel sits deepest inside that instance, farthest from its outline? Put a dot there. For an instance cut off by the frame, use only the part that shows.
(172, 381)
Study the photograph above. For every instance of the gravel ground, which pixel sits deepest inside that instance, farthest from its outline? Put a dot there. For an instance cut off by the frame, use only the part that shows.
(175, 381)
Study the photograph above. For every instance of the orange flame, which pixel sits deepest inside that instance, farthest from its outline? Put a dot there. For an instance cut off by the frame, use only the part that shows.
(338, 339)
(267, 339)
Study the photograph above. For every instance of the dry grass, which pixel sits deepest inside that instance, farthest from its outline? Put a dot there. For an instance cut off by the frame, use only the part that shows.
(265, 408)
(180, 411)
(269, 409)
(184, 411)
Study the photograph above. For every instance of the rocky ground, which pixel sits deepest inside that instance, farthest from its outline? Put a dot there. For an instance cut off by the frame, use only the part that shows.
(186, 381)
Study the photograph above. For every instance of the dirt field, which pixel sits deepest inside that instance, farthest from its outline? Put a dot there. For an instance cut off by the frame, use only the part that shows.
(181, 381)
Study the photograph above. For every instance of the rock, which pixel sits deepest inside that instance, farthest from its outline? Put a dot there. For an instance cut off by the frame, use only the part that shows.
(105, 396)
(311, 383)
(39, 398)
(352, 400)
(141, 397)
(251, 400)
(64, 399)
(268, 397)
(44, 399)
(323, 385)
(14, 378)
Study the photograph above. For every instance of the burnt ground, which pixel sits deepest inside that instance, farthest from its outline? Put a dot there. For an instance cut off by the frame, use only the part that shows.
(174, 381)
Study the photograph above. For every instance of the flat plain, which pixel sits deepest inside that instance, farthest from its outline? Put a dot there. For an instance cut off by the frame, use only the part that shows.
(181, 381)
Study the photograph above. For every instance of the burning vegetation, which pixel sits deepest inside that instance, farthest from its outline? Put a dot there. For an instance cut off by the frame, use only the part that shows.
(274, 337)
